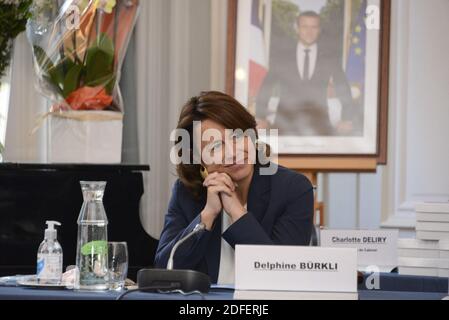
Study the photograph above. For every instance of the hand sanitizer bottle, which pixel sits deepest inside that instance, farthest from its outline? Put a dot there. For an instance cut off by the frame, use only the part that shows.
(49, 257)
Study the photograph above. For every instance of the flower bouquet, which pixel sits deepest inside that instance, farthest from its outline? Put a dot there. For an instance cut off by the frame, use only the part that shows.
(78, 48)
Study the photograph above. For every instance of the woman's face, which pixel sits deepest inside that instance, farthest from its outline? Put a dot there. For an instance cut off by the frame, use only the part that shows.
(225, 150)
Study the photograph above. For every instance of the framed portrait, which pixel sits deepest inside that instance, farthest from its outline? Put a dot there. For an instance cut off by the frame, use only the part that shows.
(316, 71)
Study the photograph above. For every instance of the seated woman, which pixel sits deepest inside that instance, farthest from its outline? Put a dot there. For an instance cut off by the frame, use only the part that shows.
(236, 201)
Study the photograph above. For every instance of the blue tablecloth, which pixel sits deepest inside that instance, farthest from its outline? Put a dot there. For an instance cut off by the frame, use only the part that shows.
(14, 293)
(396, 282)
(392, 287)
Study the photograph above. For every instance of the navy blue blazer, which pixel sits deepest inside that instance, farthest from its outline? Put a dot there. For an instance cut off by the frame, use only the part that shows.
(280, 212)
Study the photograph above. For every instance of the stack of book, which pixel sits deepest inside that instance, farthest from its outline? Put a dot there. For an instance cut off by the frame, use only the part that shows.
(293, 295)
(432, 221)
(444, 256)
(428, 254)
(418, 257)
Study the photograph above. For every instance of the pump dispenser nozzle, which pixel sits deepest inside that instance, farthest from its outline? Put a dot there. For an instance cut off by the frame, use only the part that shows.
(51, 232)
(49, 256)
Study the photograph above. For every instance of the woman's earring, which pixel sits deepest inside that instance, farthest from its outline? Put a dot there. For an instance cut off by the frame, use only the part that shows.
(203, 172)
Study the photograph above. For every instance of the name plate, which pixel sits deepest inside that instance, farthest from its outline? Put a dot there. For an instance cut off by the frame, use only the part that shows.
(377, 248)
(290, 268)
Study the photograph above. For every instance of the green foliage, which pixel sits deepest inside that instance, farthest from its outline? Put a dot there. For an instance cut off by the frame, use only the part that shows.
(68, 75)
(336, 5)
(72, 79)
(356, 6)
(58, 74)
(284, 15)
(100, 63)
(331, 6)
(94, 247)
(13, 19)
(42, 59)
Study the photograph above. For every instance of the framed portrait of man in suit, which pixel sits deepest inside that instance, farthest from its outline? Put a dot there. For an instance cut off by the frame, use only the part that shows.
(314, 70)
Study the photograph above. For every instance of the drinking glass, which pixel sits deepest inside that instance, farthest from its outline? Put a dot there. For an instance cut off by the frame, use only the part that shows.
(118, 265)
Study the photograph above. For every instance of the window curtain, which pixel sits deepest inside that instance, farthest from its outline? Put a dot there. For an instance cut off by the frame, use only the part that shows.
(25, 105)
(145, 90)
(168, 61)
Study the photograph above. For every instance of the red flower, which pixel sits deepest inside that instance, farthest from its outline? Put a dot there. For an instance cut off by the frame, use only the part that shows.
(89, 98)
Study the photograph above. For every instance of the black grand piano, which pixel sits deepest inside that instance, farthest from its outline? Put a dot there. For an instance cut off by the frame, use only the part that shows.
(31, 194)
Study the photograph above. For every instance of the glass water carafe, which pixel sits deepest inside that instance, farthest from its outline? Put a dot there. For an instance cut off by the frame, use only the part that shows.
(92, 245)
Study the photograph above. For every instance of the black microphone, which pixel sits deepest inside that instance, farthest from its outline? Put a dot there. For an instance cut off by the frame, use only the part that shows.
(170, 279)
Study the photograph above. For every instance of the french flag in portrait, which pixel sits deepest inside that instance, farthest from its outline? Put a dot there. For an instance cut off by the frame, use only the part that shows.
(258, 59)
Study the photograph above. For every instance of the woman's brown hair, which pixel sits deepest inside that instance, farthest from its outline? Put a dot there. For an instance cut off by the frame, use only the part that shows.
(220, 108)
